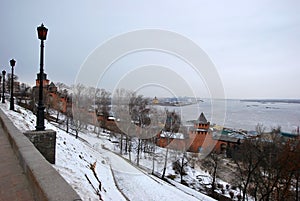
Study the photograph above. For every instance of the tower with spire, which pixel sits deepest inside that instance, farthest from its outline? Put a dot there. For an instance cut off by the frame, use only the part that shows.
(200, 137)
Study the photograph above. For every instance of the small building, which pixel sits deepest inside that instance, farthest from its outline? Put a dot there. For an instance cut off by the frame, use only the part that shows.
(172, 140)
(225, 143)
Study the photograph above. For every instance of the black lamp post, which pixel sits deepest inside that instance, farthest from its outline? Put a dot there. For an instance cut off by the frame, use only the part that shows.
(42, 35)
(3, 86)
(0, 85)
(12, 105)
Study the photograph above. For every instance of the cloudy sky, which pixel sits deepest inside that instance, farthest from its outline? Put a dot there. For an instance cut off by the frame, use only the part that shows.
(254, 45)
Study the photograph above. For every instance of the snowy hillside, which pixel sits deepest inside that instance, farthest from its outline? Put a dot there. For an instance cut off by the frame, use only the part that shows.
(99, 174)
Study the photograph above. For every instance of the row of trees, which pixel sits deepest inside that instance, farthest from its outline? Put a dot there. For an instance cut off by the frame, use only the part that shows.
(137, 122)
(8, 82)
(21, 90)
(265, 168)
(269, 169)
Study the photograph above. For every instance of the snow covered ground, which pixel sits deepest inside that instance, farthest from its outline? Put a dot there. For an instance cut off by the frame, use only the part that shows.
(97, 173)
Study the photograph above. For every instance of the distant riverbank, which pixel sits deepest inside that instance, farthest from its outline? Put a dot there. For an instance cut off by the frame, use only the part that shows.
(176, 104)
(272, 100)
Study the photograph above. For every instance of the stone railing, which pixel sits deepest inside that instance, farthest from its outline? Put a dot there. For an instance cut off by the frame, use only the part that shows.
(46, 183)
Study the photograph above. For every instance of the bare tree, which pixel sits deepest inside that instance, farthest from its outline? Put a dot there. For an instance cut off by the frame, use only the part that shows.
(120, 107)
(247, 158)
(117, 100)
(182, 162)
(8, 81)
(260, 129)
(78, 123)
(78, 108)
(157, 120)
(276, 174)
(23, 95)
(215, 160)
(172, 126)
(140, 117)
(103, 105)
(268, 167)
(69, 114)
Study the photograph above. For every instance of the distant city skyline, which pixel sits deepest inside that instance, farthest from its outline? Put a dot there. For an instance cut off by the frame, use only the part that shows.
(254, 45)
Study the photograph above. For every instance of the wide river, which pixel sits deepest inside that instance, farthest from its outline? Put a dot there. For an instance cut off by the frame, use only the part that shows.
(244, 114)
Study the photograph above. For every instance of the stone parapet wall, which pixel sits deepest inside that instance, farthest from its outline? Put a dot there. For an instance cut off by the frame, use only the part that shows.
(46, 183)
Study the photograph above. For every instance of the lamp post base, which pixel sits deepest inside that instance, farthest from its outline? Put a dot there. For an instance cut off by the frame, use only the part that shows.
(40, 125)
(12, 106)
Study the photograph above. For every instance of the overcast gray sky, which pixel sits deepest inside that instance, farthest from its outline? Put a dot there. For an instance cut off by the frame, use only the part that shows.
(255, 45)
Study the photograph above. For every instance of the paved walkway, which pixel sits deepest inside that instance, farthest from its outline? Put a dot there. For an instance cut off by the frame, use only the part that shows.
(13, 183)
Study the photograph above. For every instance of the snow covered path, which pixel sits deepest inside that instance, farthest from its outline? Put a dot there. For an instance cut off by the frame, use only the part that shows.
(138, 185)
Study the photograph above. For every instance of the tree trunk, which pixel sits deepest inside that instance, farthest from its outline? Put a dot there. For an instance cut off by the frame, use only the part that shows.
(153, 161)
(245, 187)
(255, 193)
(57, 115)
(121, 144)
(138, 153)
(181, 169)
(297, 187)
(126, 144)
(165, 165)
(67, 124)
(213, 184)
(129, 150)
